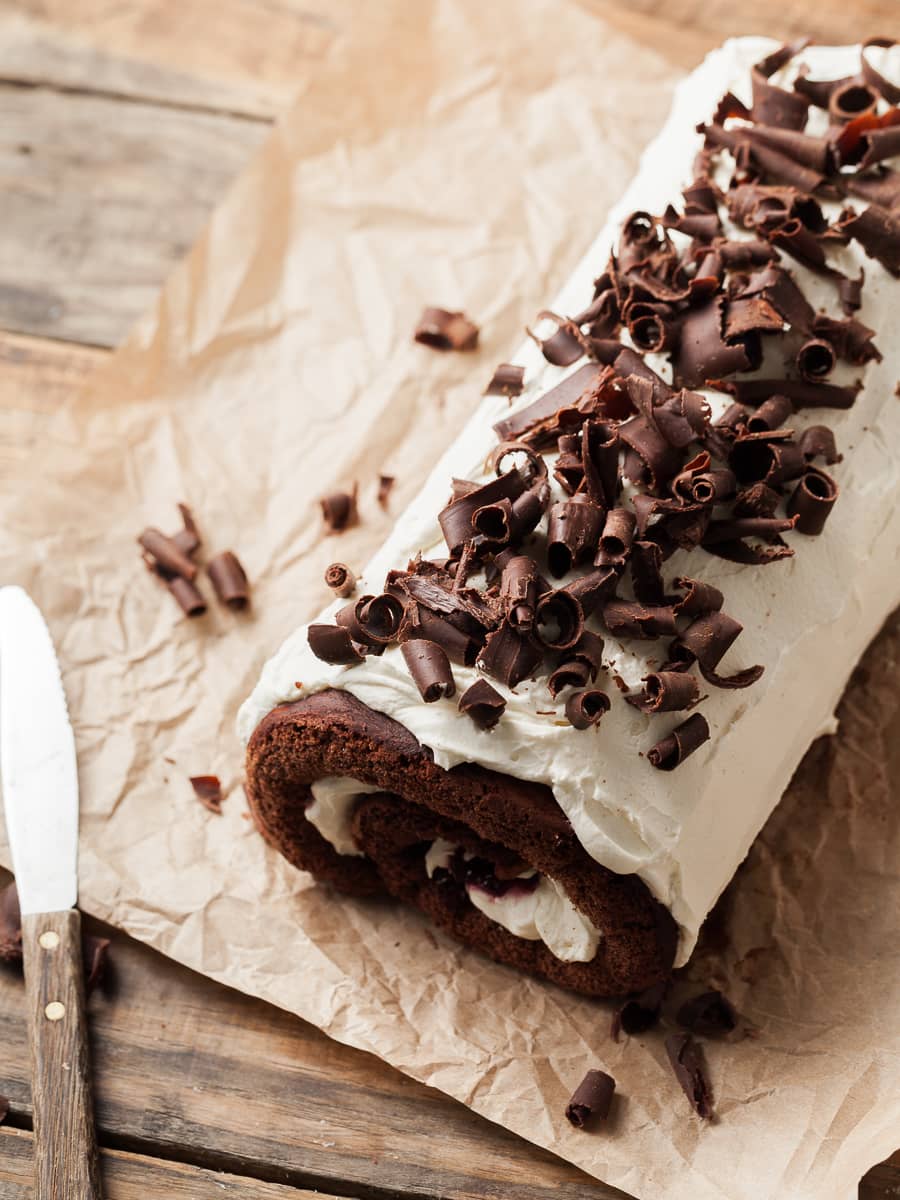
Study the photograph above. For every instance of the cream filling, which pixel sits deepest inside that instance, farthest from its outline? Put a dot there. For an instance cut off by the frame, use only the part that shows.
(545, 914)
(807, 620)
(332, 807)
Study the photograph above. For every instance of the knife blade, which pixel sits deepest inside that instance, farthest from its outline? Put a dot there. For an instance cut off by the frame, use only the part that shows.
(39, 776)
(37, 759)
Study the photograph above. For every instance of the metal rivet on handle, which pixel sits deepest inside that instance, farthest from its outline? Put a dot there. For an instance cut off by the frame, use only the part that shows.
(55, 1011)
(49, 939)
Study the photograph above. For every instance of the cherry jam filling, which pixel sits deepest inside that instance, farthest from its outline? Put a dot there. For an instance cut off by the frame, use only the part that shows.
(479, 873)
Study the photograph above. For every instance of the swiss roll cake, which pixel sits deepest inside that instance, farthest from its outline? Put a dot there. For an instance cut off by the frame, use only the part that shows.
(568, 691)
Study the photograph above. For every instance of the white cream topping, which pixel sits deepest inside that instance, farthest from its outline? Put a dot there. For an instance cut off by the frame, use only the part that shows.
(545, 914)
(332, 808)
(806, 619)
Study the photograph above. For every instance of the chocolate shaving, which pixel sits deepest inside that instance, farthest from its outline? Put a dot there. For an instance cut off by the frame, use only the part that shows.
(667, 691)
(709, 1013)
(849, 101)
(812, 501)
(519, 586)
(851, 339)
(563, 347)
(770, 415)
(630, 618)
(378, 618)
(208, 791)
(600, 462)
(429, 666)
(800, 392)
(166, 555)
(773, 105)
(507, 380)
(817, 91)
(646, 572)
(815, 359)
(570, 673)
(675, 747)
(341, 580)
(189, 599)
(573, 533)
(751, 314)
(483, 704)
(869, 138)
(385, 486)
(640, 1012)
(586, 708)
(508, 656)
(461, 647)
(652, 460)
(554, 409)
(703, 353)
(187, 539)
(592, 589)
(339, 510)
(559, 620)
(707, 639)
(445, 330)
(699, 599)
(229, 579)
(890, 91)
(818, 442)
(617, 537)
(686, 1058)
(877, 230)
(880, 187)
(591, 1100)
(682, 418)
(458, 519)
(333, 644)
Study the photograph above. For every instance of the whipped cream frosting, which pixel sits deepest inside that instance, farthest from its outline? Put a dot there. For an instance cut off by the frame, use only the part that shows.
(545, 914)
(332, 808)
(806, 619)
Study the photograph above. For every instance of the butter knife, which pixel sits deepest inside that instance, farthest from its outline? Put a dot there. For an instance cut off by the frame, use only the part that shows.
(40, 796)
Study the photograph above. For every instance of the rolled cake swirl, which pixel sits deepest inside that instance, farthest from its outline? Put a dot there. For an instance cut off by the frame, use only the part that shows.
(667, 518)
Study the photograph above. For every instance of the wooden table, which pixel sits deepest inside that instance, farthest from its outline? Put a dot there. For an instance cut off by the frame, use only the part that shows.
(122, 125)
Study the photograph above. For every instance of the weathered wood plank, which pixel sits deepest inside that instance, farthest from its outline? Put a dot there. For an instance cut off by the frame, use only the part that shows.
(133, 1177)
(99, 200)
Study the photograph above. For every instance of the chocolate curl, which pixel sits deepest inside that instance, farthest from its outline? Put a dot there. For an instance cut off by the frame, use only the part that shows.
(740, 256)
(208, 790)
(641, 237)
(707, 639)
(699, 599)
(532, 469)
(751, 555)
(379, 618)
(818, 442)
(585, 709)
(593, 589)
(616, 539)
(189, 599)
(519, 592)
(339, 510)
(682, 418)
(807, 248)
(229, 580)
(880, 187)
(600, 462)
(568, 469)
(702, 226)
(563, 347)
(778, 288)
(878, 232)
(818, 91)
(751, 314)
(333, 644)
(385, 484)
(187, 539)
(630, 366)
(445, 330)
(703, 353)
(340, 579)
(493, 522)
(460, 647)
(763, 159)
(815, 359)
(651, 461)
(709, 1013)
(811, 152)
(851, 339)
(640, 1012)
(652, 327)
(559, 620)
(508, 656)
(770, 415)
(738, 528)
(703, 485)
(507, 380)
(671, 751)
(851, 100)
(646, 572)
(602, 314)
(591, 1100)
(483, 704)
(773, 105)
(528, 509)
(167, 555)
(869, 138)
(555, 411)
(812, 501)
(687, 1062)
(631, 619)
(457, 520)
(889, 91)
(667, 691)
(800, 392)
(430, 669)
(573, 532)
(568, 674)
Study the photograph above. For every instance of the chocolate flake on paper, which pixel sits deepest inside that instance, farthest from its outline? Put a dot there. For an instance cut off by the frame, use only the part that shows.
(339, 510)
(445, 330)
(507, 380)
(229, 580)
(710, 1013)
(687, 1061)
(340, 579)
(208, 791)
(591, 1100)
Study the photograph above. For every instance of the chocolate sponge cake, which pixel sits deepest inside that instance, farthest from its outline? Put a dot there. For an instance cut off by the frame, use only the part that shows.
(569, 690)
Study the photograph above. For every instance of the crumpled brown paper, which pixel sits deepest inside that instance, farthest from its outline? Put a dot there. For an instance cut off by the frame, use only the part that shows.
(456, 153)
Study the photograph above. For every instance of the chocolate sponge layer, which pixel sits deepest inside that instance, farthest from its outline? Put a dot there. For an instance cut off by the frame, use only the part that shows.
(499, 818)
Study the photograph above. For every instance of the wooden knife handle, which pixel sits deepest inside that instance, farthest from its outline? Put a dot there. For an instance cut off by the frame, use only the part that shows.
(66, 1165)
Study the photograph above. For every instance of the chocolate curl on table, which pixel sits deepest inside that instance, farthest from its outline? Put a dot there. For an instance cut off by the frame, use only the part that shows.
(709, 1013)
(707, 640)
(591, 1100)
(878, 232)
(187, 539)
(849, 101)
(592, 589)
(616, 538)
(807, 248)
(339, 510)
(703, 353)
(851, 339)
(818, 442)
(559, 620)
(600, 462)
(458, 519)
(341, 580)
(646, 572)
(667, 691)
(639, 1012)
(166, 555)
(631, 619)
(773, 105)
(565, 346)
(333, 644)
(770, 415)
(229, 580)
(671, 751)
(208, 790)
(687, 1062)
(483, 704)
(507, 380)
(699, 599)
(800, 392)
(519, 586)
(573, 532)
(509, 656)
(445, 330)
(888, 90)
(812, 501)
(732, 529)
(189, 599)
(557, 411)
(385, 486)
(430, 669)
(815, 359)
(585, 709)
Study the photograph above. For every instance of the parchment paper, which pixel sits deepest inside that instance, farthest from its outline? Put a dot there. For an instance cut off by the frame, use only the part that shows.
(463, 154)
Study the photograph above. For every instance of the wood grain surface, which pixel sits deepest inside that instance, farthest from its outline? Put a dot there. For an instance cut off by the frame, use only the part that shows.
(123, 123)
